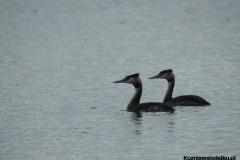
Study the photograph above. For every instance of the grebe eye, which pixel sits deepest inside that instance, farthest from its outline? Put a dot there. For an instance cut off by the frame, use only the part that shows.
(126, 78)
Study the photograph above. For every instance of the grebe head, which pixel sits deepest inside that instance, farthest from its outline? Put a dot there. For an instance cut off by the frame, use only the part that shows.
(165, 74)
(131, 79)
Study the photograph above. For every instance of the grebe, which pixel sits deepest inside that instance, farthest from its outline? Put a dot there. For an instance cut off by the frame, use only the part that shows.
(134, 105)
(186, 100)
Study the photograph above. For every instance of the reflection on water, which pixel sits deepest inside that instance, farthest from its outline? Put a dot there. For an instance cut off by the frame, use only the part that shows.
(59, 59)
(136, 116)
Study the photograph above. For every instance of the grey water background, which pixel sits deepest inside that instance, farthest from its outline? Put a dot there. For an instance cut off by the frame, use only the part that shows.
(58, 60)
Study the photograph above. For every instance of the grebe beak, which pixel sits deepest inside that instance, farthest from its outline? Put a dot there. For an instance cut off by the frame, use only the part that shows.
(154, 77)
(120, 81)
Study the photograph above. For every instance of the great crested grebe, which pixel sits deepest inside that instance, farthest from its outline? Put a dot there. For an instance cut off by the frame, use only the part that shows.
(134, 105)
(186, 100)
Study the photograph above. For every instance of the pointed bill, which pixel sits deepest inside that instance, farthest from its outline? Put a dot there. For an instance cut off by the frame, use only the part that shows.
(120, 81)
(154, 77)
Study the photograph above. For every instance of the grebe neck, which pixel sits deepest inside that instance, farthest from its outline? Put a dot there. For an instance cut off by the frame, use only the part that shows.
(168, 95)
(135, 101)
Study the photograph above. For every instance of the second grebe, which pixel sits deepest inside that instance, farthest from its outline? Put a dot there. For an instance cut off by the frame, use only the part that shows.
(134, 105)
(186, 100)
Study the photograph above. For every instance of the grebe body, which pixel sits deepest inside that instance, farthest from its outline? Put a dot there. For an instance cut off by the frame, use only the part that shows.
(185, 100)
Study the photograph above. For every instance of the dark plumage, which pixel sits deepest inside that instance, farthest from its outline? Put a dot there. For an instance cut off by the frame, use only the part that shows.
(188, 100)
(155, 107)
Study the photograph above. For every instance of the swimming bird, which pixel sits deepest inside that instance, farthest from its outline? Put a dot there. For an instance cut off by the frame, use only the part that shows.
(185, 100)
(134, 104)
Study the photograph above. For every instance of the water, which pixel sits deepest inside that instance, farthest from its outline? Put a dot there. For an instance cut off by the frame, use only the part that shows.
(59, 59)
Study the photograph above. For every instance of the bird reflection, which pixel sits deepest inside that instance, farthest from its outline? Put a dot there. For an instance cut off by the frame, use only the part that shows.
(137, 115)
(136, 118)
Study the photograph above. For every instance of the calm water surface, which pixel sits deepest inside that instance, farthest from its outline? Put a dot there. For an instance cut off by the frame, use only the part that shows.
(59, 59)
